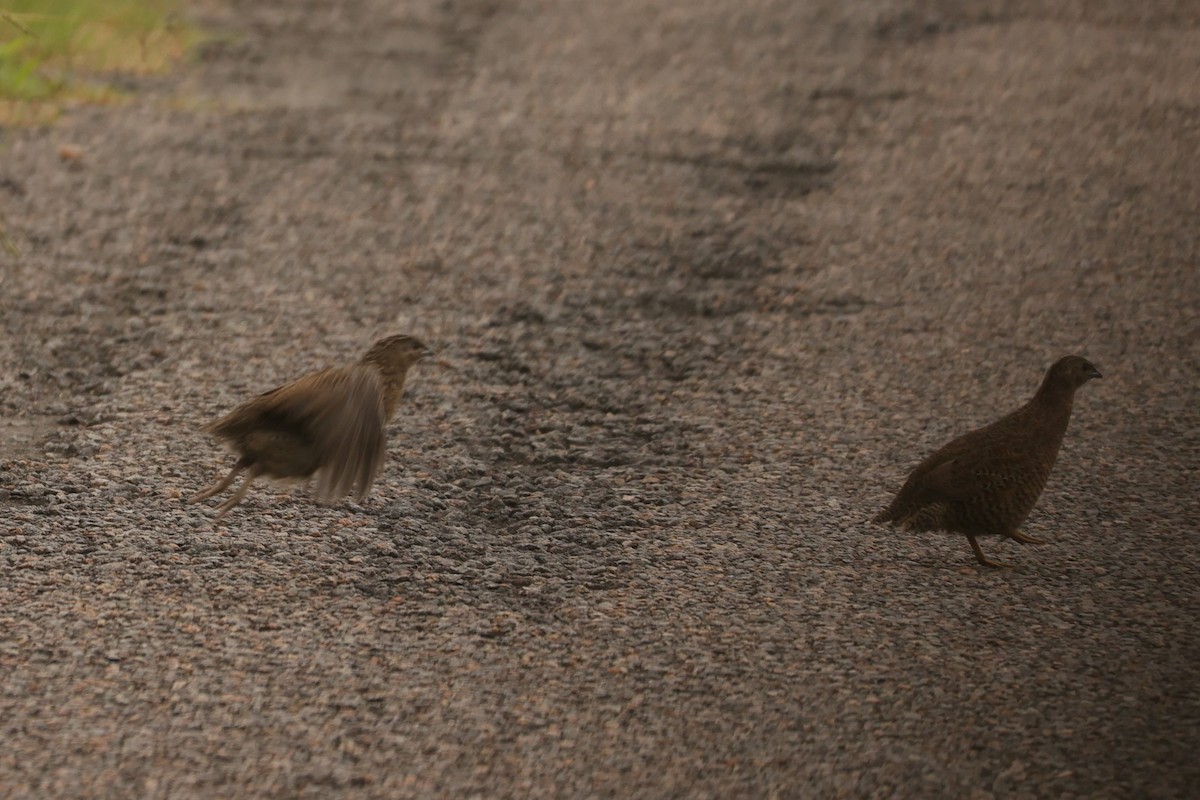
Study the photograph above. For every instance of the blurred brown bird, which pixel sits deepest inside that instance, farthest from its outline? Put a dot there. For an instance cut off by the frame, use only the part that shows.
(987, 481)
(329, 424)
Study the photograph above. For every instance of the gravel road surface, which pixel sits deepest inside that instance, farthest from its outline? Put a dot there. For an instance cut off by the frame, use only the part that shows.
(706, 278)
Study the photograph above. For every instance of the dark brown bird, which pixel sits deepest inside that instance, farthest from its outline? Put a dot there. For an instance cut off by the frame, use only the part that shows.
(987, 481)
(329, 424)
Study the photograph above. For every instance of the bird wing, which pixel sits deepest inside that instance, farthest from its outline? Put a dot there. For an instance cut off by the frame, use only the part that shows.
(336, 413)
(348, 427)
(968, 474)
(293, 404)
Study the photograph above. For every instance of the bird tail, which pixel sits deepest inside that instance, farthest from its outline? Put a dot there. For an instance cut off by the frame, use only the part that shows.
(887, 515)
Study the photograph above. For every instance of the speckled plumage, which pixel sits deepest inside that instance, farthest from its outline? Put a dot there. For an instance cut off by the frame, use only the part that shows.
(328, 424)
(987, 481)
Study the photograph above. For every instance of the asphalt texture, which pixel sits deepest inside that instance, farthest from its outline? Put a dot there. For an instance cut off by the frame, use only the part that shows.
(705, 280)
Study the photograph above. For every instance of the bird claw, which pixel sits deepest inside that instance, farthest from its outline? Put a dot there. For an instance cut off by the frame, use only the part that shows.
(1025, 538)
(981, 558)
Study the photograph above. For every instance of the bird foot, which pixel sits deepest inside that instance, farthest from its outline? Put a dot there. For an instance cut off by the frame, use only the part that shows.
(981, 558)
(225, 507)
(1025, 538)
(207, 493)
(217, 487)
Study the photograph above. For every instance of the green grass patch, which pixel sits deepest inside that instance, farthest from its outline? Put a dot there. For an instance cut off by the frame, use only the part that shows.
(57, 52)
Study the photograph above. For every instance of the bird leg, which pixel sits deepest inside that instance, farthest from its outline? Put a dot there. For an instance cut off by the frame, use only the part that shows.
(980, 556)
(240, 494)
(1025, 538)
(220, 485)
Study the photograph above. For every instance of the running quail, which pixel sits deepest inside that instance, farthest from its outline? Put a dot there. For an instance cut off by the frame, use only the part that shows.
(329, 424)
(987, 481)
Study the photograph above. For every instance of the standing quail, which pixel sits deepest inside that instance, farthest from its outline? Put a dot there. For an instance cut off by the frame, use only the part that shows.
(987, 481)
(328, 423)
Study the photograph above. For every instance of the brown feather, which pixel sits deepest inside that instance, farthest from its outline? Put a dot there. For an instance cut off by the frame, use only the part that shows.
(328, 424)
(987, 481)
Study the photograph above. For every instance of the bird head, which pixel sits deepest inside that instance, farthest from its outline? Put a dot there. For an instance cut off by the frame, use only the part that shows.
(1071, 372)
(396, 353)
(392, 356)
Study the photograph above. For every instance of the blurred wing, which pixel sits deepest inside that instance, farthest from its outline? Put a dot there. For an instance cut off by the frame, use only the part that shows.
(336, 414)
(348, 428)
(292, 405)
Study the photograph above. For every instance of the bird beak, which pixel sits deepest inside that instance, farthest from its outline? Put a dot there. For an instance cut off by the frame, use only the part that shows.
(1094, 373)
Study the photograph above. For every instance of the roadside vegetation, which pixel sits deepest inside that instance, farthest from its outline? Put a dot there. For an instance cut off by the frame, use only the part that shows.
(55, 53)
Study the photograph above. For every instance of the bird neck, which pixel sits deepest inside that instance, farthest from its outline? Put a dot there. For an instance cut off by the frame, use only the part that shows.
(1055, 402)
(1055, 386)
(393, 388)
